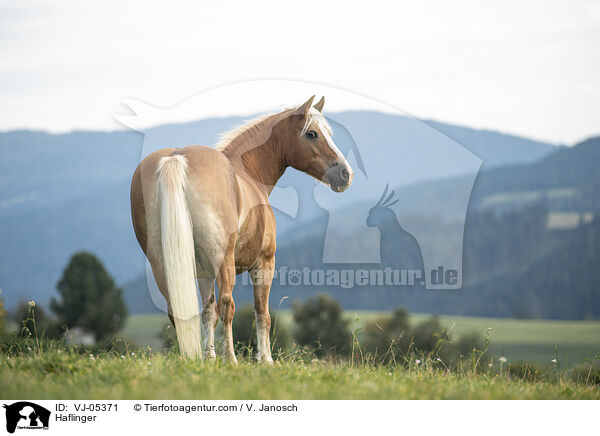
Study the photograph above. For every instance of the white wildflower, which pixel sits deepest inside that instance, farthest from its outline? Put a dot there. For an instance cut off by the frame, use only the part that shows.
(122, 357)
(502, 359)
(31, 303)
(418, 361)
(553, 361)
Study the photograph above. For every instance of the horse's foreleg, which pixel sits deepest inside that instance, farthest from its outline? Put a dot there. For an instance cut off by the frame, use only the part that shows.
(209, 315)
(262, 276)
(226, 305)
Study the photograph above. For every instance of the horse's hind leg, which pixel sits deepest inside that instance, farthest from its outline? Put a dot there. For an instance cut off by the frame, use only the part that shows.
(209, 315)
(159, 277)
(262, 276)
(226, 305)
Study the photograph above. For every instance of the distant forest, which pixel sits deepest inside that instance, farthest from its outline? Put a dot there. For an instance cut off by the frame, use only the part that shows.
(514, 266)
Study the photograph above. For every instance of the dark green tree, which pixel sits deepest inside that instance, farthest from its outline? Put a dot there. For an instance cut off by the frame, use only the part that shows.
(321, 326)
(89, 298)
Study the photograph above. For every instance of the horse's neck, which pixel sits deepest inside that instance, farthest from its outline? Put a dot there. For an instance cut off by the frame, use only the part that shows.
(256, 154)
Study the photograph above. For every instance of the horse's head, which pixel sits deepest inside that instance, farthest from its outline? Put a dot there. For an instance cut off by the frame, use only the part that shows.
(382, 212)
(311, 149)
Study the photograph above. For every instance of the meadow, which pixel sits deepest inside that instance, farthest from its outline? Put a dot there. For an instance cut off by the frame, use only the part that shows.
(144, 371)
(147, 375)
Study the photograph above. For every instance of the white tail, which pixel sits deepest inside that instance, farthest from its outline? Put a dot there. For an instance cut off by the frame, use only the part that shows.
(178, 253)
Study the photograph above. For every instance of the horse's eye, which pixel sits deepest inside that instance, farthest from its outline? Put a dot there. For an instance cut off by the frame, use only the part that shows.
(312, 134)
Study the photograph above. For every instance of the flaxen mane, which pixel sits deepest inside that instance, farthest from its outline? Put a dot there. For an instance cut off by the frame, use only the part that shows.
(250, 131)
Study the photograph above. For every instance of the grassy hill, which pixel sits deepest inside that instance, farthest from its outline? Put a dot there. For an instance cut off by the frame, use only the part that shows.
(53, 375)
(53, 371)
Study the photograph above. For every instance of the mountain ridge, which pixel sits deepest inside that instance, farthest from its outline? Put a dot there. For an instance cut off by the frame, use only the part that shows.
(83, 177)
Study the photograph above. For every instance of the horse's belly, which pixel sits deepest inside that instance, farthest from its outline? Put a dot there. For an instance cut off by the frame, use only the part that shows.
(249, 240)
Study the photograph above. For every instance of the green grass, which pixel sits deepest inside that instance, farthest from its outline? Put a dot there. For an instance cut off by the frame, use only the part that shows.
(145, 329)
(62, 374)
(59, 372)
(517, 340)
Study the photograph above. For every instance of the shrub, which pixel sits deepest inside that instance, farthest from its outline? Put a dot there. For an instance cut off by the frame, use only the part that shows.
(465, 344)
(119, 345)
(388, 336)
(320, 326)
(392, 339)
(528, 371)
(429, 336)
(586, 373)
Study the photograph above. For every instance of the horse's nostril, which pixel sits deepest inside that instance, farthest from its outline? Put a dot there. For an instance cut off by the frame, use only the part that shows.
(345, 174)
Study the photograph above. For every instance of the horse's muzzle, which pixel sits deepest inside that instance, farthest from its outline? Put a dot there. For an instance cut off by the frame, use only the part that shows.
(339, 177)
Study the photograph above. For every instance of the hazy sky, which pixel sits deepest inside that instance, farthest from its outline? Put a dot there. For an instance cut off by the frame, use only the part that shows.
(525, 67)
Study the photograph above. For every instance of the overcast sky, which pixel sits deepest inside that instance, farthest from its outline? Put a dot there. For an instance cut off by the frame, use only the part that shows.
(530, 68)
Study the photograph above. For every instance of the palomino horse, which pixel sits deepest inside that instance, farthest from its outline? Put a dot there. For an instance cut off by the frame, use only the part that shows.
(204, 213)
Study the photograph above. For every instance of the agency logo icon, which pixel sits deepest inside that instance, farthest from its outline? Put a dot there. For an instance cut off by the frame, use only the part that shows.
(26, 415)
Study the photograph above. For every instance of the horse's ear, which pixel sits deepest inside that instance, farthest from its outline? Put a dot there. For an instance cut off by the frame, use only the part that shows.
(320, 104)
(304, 108)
